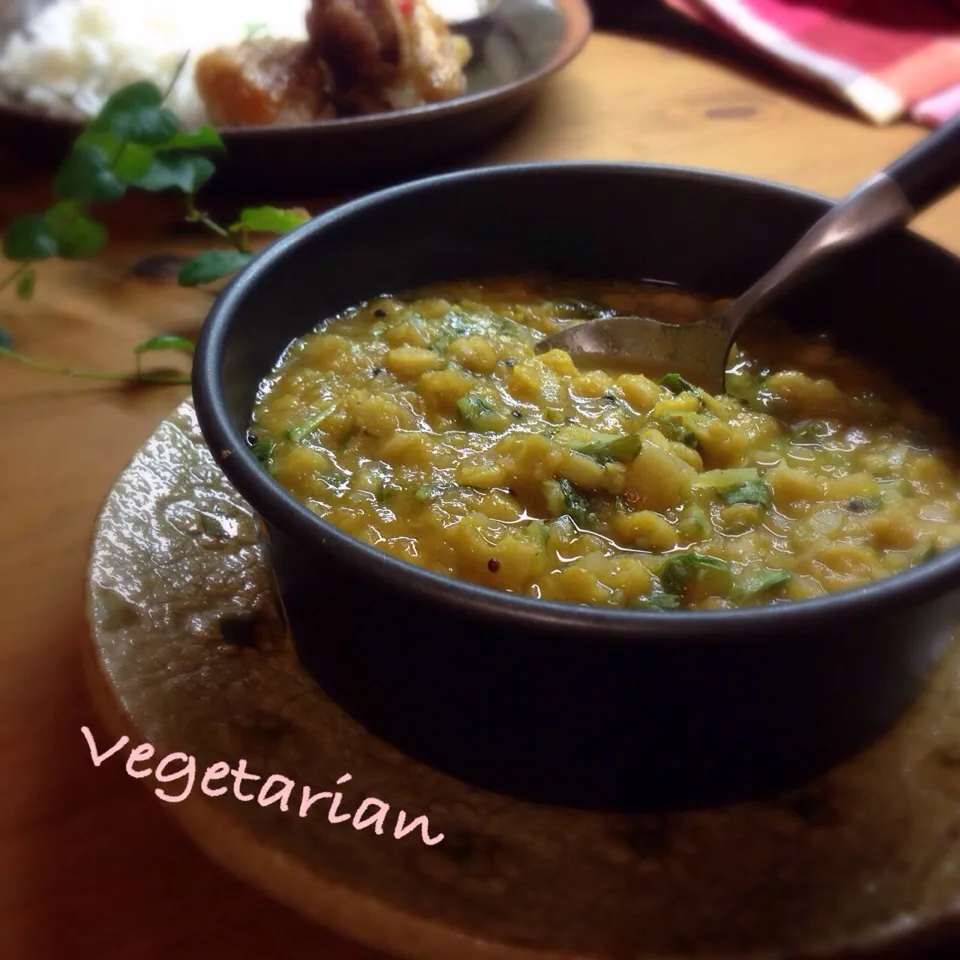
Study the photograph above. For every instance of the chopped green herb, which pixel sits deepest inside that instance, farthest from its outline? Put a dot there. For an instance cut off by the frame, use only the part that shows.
(609, 447)
(679, 569)
(538, 530)
(508, 327)
(764, 580)
(453, 327)
(442, 342)
(677, 384)
(864, 504)
(674, 429)
(303, 430)
(428, 492)
(810, 433)
(576, 505)
(386, 489)
(749, 491)
(474, 410)
(695, 517)
(263, 450)
(658, 600)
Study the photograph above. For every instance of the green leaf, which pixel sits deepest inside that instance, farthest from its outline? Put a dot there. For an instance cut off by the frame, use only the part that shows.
(428, 492)
(29, 238)
(576, 505)
(303, 430)
(765, 580)
(151, 126)
(263, 450)
(674, 429)
(658, 600)
(134, 114)
(203, 138)
(473, 410)
(685, 566)
(610, 448)
(176, 172)
(77, 234)
(677, 384)
(105, 139)
(141, 93)
(270, 219)
(212, 265)
(750, 491)
(26, 284)
(864, 504)
(387, 489)
(87, 176)
(133, 161)
(164, 341)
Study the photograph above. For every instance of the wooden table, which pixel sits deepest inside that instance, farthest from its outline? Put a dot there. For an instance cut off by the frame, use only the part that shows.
(91, 865)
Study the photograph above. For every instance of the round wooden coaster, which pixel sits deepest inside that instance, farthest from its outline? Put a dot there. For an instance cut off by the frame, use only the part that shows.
(190, 654)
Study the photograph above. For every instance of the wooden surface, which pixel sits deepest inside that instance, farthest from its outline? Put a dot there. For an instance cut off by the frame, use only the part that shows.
(91, 866)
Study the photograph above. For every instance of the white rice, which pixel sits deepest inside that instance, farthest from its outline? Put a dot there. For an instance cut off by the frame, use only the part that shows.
(80, 51)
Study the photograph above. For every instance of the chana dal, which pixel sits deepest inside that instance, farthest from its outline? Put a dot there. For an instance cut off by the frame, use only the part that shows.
(427, 426)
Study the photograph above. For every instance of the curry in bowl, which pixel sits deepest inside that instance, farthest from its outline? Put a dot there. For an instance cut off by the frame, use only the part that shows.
(427, 426)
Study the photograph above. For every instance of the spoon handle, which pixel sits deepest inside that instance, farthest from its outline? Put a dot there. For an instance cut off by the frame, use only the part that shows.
(931, 168)
(873, 207)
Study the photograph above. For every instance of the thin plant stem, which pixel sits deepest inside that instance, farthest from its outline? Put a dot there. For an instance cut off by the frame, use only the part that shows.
(137, 377)
(15, 275)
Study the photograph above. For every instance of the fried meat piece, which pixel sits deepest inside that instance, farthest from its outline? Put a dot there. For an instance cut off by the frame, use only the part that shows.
(264, 81)
(387, 55)
(363, 41)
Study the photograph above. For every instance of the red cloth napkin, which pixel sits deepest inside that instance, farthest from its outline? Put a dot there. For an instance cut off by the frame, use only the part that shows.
(888, 58)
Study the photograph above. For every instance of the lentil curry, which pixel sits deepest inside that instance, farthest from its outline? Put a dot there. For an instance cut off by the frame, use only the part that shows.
(426, 426)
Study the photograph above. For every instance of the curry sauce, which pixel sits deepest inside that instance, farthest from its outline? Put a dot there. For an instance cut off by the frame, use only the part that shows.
(426, 426)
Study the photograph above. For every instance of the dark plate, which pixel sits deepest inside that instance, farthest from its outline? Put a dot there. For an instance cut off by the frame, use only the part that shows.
(515, 50)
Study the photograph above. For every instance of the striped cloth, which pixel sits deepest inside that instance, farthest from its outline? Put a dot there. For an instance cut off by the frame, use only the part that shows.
(887, 58)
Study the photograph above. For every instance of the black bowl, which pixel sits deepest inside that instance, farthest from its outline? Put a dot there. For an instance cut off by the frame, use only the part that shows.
(561, 703)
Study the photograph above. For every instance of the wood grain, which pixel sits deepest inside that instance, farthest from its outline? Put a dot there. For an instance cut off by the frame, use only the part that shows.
(91, 865)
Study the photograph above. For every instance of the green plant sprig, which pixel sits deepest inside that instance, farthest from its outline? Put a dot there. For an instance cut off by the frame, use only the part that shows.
(134, 143)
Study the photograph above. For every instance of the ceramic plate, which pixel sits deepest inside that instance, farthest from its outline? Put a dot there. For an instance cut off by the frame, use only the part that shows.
(191, 652)
(516, 49)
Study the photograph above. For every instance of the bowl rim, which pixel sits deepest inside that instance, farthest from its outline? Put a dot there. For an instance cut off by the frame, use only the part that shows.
(577, 18)
(281, 509)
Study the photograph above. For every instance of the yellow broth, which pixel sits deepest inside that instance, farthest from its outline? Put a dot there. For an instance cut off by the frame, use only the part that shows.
(426, 426)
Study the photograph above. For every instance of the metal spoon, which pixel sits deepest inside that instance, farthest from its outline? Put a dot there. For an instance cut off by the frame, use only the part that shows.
(699, 351)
